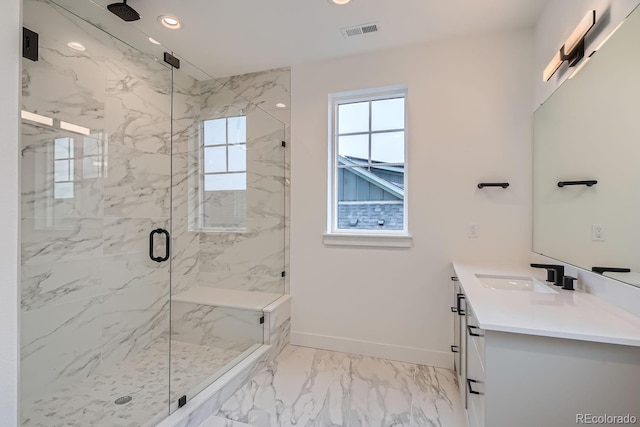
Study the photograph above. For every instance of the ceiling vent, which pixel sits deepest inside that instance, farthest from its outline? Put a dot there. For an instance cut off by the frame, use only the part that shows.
(359, 30)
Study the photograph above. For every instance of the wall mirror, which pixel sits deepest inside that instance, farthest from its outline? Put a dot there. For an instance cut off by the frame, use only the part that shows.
(589, 130)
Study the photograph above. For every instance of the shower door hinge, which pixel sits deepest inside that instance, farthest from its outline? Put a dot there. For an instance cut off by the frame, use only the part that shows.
(182, 401)
(29, 44)
(262, 320)
(284, 143)
(284, 273)
(171, 60)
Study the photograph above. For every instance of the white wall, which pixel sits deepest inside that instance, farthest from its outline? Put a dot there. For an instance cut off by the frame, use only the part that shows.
(469, 120)
(9, 123)
(557, 21)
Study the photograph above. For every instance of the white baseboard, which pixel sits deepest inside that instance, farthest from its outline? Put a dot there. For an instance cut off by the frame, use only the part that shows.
(399, 353)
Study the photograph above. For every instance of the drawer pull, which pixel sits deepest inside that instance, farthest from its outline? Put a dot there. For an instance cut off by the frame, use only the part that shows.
(473, 334)
(470, 387)
(455, 349)
(460, 297)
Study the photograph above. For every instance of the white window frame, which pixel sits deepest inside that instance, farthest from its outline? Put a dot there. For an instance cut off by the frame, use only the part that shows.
(202, 174)
(363, 237)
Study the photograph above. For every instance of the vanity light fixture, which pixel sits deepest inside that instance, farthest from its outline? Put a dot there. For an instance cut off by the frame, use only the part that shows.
(281, 105)
(572, 50)
(76, 46)
(170, 22)
(339, 2)
(154, 41)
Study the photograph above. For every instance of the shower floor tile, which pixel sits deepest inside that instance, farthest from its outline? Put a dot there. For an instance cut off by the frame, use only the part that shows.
(144, 377)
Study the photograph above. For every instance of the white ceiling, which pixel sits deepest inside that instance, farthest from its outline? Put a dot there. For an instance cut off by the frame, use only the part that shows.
(229, 37)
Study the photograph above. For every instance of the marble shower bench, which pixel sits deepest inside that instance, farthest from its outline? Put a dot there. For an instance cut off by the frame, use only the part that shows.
(229, 318)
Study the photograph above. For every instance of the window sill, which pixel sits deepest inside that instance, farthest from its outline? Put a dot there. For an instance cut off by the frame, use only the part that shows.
(368, 240)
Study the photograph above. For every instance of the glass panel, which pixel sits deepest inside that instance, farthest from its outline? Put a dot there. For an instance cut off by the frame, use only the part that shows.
(94, 306)
(238, 157)
(215, 132)
(215, 159)
(225, 181)
(353, 117)
(228, 231)
(387, 114)
(354, 146)
(387, 147)
(371, 198)
(237, 129)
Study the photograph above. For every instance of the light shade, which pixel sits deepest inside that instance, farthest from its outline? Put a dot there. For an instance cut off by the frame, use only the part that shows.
(573, 49)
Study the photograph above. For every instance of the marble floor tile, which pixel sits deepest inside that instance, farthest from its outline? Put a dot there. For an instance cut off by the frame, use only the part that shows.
(436, 399)
(222, 422)
(290, 391)
(144, 377)
(318, 388)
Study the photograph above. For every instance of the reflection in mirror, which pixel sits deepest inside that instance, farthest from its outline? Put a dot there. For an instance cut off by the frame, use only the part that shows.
(588, 131)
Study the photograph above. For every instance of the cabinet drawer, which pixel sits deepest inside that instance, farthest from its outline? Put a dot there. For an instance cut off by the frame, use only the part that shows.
(475, 335)
(475, 384)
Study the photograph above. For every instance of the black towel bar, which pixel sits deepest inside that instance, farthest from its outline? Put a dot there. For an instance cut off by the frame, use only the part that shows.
(493, 184)
(588, 183)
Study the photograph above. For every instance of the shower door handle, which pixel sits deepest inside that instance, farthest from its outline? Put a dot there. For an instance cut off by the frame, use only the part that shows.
(151, 240)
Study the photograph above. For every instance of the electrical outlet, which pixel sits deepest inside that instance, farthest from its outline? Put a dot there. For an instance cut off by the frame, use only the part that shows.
(473, 231)
(598, 233)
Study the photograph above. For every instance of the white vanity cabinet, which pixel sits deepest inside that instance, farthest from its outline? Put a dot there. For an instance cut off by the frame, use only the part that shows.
(512, 378)
(459, 334)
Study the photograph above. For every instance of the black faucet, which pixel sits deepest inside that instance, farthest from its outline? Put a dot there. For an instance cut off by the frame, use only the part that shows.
(555, 272)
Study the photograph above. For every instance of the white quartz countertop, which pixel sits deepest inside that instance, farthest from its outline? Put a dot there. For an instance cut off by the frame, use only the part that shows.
(565, 314)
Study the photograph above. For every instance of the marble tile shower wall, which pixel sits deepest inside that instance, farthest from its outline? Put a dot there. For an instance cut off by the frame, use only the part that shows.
(91, 297)
(255, 259)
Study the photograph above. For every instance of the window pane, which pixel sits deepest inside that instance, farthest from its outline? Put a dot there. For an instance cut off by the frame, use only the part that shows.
(63, 148)
(91, 167)
(387, 114)
(354, 146)
(215, 159)
(225, 181)
(387, 147)
(90, 147)
(237, 129)
(371, 198)
(215, 132)
(63, 190)
(238, 157)
(62, 170)
(353, 117)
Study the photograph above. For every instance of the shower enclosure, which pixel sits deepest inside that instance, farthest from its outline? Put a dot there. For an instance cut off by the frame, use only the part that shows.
(153, 223)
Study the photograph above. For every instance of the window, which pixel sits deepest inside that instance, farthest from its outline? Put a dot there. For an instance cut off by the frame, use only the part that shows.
(368, 163)
(224, 173)
(63, 161)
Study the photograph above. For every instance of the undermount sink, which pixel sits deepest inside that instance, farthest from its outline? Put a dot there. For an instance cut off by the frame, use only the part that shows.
(514, 283)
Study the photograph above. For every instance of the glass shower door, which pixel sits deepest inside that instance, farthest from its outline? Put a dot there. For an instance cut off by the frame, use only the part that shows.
(95, 183)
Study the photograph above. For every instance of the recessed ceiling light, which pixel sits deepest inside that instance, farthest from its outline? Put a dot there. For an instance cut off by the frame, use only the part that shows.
(154, 41)
(339, 2)
(76, 46)
(281, 105)
(170, 22)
